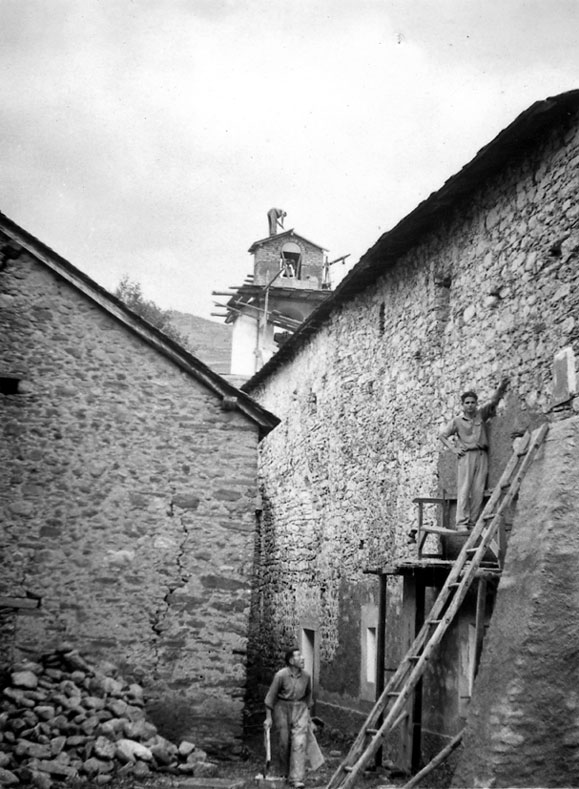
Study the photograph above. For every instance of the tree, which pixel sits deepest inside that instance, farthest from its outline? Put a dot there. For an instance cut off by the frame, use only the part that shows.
(131, 294)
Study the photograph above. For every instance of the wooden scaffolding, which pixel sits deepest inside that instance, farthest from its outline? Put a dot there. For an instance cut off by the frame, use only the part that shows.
(479, 561)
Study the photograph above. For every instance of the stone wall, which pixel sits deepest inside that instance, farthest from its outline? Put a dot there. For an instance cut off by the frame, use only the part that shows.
(267, 257)
(523, 725)
(128, 498)
(492, 291)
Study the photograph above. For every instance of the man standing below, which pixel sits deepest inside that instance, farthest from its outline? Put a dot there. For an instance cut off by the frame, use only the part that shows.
(466, 436)
(287, 704)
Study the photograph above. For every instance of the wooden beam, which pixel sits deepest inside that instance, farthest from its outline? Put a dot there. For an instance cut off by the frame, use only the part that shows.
(416, 752)
(447, 532)
(381, 653)
(416, 779)
(337, 260)
(481, 599)
(19, 602)
(432, 499)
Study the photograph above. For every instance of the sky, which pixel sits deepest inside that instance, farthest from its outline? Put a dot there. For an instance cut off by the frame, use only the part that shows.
(149, 138)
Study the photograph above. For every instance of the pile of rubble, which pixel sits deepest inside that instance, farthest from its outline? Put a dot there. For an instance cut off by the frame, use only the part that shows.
(62, 719)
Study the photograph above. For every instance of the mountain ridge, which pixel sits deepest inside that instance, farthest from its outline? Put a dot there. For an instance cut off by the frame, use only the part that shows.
(210, 341)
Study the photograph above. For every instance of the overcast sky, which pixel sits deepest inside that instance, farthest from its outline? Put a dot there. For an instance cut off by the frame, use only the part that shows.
(150, 137)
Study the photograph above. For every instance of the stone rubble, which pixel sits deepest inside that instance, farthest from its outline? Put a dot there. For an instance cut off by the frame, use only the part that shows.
(62, 719)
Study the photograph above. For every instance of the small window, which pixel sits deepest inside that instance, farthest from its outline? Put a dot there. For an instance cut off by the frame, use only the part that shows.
(312, 402)
(371, 654)
(9, 386)
(309, 650)
(369, 628)
(310, 647)
(442, 292)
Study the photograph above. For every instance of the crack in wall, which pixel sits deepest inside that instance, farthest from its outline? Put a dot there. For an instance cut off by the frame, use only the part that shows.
(160, 615)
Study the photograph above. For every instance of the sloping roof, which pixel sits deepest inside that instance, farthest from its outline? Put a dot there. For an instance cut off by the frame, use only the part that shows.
(508, 145)
(289, 233)
(148, 333)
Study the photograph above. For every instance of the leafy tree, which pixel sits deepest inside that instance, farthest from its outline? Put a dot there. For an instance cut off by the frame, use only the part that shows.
(131, 294)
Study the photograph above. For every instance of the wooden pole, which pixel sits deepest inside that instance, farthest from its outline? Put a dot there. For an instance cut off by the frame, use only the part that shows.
(415, 780)
(481, 599)
(417, 701)
(381, 653)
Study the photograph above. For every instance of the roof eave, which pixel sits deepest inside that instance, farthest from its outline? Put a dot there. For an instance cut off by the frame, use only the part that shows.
(147, 332)
(408, 232)
(290, 232)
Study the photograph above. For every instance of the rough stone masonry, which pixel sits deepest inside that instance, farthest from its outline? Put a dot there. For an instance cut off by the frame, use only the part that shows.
(488, 289)
(127, 497)
(65, 720)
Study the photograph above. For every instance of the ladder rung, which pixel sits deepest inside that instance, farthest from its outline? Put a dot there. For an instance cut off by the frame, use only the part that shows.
(433, 621)
(414, 657)
(393, 693)
(471, 550)
(372, 732)
(454, 585)
(491, 515)
(348, 768)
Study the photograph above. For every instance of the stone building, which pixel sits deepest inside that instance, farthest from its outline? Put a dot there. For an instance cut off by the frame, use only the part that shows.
(477, 283)
(290, 278)
(127, 494)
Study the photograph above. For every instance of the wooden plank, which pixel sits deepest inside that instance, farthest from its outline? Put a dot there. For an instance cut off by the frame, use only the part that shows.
(448, 532)
(444, 754)
(488, 572)
(407, 566)
(19, 602)
(432, 499)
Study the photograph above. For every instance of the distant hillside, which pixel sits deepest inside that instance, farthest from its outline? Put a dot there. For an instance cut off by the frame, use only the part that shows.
(210, 341)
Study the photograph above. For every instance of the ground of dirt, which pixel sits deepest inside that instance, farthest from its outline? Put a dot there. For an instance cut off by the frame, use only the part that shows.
(247, 772)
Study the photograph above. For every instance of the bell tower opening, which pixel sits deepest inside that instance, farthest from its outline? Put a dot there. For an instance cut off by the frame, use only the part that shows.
(291, 260)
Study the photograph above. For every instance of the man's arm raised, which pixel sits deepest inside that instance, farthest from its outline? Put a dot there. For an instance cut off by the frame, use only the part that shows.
(488, 410)
(499, 392)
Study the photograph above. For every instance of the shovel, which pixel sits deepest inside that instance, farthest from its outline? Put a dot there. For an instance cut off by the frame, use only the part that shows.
(267, 741)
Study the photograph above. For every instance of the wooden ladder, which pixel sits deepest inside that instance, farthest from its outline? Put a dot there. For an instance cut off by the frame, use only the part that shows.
(389, 710)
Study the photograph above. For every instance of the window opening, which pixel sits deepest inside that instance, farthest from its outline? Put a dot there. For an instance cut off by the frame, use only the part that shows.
(290, 261)
(371, 654)
(9, 386)
(442, 286)
(308, 650)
